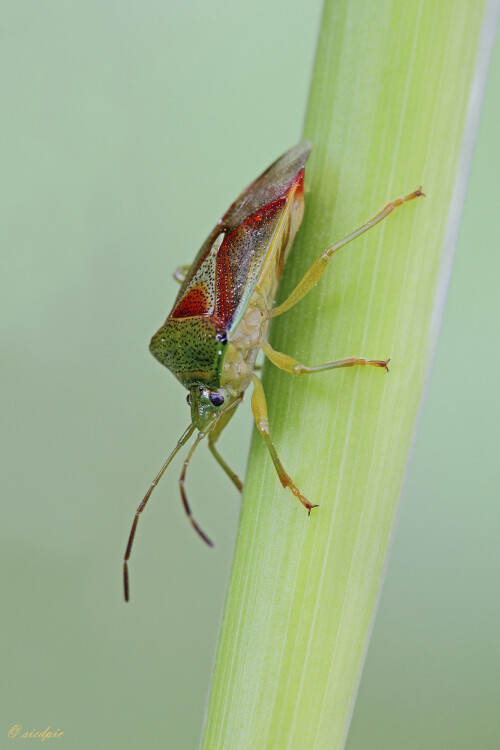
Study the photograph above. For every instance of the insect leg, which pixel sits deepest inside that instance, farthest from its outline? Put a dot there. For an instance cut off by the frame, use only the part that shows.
(180, 273)
(259, 409)
(182, 480)
(213, 436)
(313, 275)
(212, 424)
(288, 364)
(141, 507)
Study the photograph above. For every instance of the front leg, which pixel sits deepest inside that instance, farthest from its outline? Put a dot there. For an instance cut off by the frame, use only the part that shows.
(259, 409)
(213, 436)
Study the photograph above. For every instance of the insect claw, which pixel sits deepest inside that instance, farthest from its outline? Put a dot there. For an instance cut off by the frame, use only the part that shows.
(287, 482)
(418, 193)
(386, 363)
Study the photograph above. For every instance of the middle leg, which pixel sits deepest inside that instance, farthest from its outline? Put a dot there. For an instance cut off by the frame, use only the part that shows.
(288, 364)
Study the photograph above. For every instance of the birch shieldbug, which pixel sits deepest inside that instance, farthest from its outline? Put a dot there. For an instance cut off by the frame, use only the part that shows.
(221, 316)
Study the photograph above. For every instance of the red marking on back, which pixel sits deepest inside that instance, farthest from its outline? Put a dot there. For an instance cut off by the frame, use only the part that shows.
(230, 270)
(231, 273)
(266, 213)
(195, 302)
(223, 302)
(299, 181)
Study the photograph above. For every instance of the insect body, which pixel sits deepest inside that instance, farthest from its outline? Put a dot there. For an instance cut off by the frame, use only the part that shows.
(220, 318)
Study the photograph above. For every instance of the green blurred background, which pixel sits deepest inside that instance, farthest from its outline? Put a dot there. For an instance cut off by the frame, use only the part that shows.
(127, 129)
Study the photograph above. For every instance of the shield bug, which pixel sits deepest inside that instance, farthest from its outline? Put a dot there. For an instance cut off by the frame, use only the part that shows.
(221, 316)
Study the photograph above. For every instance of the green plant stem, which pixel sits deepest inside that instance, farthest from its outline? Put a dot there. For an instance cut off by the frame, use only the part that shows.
(394, 104)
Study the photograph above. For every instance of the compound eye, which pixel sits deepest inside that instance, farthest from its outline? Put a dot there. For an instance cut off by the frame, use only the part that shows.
(188, 400)
(216, 399)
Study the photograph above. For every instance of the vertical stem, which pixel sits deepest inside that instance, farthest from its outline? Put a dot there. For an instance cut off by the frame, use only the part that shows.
(394, 104)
